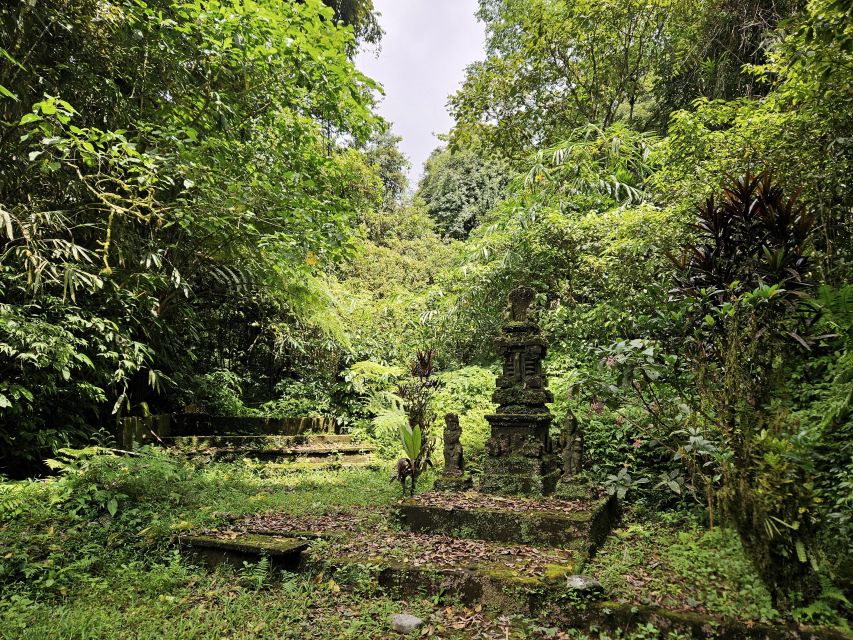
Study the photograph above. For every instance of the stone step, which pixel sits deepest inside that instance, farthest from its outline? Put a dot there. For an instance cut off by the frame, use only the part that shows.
(189, 424)
(283, 552)
(549, 522)
(258, 442)
(517, 578)
(298, 465)
(305, 455)
(489, 586)
(569, 601)
(302, 448)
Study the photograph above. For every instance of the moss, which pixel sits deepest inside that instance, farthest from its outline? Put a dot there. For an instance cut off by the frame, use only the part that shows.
(249, 543)
(557, 571)
(554, 528)
(502, 573)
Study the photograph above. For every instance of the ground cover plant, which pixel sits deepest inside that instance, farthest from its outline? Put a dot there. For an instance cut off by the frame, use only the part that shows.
(77, 567)
(202, 213)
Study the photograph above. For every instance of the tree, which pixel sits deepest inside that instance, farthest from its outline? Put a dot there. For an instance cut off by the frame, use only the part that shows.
(191, 157)
(554, 65)
(361, 16)
(744, 284)
(710, 48)
(383, 153)
(459, 187)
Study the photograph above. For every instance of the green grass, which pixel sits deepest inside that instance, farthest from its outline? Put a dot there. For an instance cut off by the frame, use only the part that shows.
(178, 600)
(90, 554)
(675, 563)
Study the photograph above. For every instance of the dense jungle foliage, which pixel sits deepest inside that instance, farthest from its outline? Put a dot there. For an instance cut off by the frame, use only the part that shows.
(201, 210)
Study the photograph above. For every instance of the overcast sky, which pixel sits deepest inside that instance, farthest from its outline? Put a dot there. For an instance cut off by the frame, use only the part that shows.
(424, 52)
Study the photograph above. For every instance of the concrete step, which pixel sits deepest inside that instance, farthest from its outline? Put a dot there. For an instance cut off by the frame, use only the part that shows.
(259, 441)
(548, 522)
(300, 448)
(283, 552)
(189, 424)
(294, 454)
(345, 462)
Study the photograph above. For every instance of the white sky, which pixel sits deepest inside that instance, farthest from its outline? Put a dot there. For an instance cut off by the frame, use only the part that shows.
(424, 52)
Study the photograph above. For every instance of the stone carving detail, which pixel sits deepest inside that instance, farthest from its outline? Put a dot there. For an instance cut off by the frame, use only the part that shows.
(454, 477)
(518, 449)
(454, 464)
(520, 300)
(571, 446)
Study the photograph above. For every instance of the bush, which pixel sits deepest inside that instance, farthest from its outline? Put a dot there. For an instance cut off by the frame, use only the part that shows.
(220, 393)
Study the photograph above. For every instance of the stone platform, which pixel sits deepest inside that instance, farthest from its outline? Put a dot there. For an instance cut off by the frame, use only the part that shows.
(513, 577)
(517, 554)
(580, 524)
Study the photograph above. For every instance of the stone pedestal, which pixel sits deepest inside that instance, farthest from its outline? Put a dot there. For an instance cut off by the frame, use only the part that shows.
(453, 483)
(520, 454)
(519, 461)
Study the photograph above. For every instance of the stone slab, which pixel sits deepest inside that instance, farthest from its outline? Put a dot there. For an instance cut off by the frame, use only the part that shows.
(258, 441)
(283, 552)
(583, 530)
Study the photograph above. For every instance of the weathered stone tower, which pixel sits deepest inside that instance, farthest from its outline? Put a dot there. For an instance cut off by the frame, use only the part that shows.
(520, 459)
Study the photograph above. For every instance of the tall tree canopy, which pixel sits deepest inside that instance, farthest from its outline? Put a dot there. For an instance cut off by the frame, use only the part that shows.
(158, 157)
(460, 187)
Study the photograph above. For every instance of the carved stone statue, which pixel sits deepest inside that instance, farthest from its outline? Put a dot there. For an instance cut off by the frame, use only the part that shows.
(454, 477)
(520, 300)
(454, 464)
(571, 446)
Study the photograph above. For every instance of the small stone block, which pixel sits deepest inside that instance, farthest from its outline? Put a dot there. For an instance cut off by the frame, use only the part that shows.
(584, 585)
(574, 489)
(405, 623)
(453, 483)
(283, 552)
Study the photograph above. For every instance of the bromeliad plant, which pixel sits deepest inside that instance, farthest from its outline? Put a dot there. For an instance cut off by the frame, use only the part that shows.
(412, 440)
(416, 437)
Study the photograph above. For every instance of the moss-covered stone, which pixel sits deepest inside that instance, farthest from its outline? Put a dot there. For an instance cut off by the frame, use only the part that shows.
(453, 483)
(283, 552)
(625, 617)
(582, 530)
(495, 586)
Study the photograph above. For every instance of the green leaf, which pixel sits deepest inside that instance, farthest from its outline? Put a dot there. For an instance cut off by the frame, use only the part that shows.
(5, 92)
(112, 506)
(801, 550)
(417, 441)
(47, 107)
(29, 117)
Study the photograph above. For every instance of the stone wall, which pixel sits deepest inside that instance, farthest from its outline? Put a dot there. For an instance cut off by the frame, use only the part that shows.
(138, 430)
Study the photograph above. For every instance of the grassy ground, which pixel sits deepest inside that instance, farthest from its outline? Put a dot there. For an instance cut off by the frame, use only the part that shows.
(91, 554)
(671, 561)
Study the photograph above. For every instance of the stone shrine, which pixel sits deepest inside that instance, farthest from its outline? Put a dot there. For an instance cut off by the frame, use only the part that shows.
(520, 458)
(521, 552)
